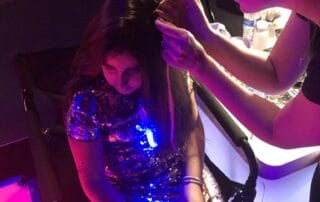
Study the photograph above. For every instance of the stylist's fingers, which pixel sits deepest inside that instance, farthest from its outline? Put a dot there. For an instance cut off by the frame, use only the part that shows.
(172, 47)
(171, 56)
(167, 10)
(163, 15)
(168, 58)
(169, 29)
(179, 39)
(178, 47)
(178, 53)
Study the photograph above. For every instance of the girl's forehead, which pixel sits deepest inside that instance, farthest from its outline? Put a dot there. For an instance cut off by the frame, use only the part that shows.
(121, 60)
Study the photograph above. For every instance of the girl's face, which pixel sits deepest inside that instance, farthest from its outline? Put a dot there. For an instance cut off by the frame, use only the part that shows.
(248, 6)
(123, 72)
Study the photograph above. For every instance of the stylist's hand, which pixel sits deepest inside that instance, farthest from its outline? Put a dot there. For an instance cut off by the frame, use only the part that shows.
(188, 14)
(179, 47)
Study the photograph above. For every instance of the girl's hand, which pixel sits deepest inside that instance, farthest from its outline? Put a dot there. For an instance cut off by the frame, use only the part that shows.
(179, 47)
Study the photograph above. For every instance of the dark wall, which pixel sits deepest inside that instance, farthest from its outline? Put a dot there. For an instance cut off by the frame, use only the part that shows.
(32, 25)
(228, 13)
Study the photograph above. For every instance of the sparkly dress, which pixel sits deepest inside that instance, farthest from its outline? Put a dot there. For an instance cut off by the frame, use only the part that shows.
(135, 164)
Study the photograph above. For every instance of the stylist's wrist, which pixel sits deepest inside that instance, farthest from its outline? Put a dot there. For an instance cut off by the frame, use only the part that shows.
(203, 32)
(201, 63)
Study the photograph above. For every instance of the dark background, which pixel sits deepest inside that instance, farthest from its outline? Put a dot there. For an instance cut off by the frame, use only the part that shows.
(27, 26)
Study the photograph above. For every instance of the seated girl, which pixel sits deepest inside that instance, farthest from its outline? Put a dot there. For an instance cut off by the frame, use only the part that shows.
(132, 124)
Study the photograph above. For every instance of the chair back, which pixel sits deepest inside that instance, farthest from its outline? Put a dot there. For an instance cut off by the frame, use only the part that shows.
(47, 73)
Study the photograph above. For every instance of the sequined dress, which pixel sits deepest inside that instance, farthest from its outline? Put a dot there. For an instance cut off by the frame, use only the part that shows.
(135, 163)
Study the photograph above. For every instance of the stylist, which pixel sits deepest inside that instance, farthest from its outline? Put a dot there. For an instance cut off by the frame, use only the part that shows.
(189, 43)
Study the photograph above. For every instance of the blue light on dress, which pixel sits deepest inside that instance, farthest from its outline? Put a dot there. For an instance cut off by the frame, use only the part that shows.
(149, 134)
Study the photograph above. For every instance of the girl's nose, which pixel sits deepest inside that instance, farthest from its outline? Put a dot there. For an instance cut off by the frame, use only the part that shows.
(124, 80)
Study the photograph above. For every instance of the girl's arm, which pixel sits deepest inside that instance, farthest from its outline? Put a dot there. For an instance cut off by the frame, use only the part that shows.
(88, 157)
(195, 156)
(195, 160)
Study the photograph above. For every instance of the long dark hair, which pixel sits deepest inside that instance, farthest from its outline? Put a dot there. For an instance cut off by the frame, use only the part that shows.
(128, 25)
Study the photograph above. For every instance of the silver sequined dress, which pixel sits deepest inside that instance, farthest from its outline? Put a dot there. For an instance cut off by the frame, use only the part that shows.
(135, 163)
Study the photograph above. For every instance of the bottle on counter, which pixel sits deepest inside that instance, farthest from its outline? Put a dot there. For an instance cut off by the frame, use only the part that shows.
(264, 36)
(249, 23)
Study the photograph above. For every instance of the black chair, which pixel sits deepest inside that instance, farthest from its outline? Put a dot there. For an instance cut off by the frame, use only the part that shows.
(230, 190)
(46, 73)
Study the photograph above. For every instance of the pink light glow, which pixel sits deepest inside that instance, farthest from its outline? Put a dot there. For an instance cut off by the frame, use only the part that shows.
(11, 191)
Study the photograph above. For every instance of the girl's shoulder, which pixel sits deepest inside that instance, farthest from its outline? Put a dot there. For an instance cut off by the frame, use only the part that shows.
(104, 103)
(89, 112)
(82, 122)
(86, 100)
